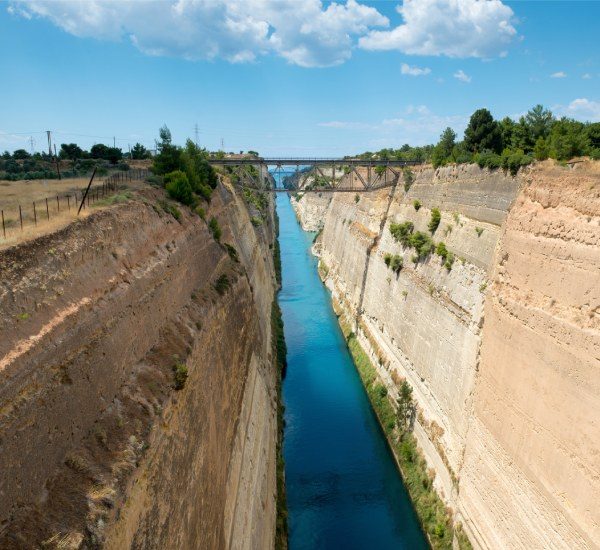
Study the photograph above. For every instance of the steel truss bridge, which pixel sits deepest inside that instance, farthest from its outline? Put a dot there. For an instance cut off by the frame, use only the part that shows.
(315, 175)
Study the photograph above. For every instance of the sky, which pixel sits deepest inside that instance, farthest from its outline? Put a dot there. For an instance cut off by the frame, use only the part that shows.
(288, 77)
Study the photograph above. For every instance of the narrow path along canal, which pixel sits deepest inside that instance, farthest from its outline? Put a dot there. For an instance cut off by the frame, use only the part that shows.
(343, 488)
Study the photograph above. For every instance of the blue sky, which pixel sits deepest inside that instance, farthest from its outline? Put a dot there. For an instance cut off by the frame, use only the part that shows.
(282, 77)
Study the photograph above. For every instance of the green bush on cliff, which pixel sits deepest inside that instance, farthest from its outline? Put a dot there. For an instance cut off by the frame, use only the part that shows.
(180, 375)
(434, 222)
(215, 229)
(222, 284)
(179, 187)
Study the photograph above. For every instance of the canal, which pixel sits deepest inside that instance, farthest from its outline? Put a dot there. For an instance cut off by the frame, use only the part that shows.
(343, 488)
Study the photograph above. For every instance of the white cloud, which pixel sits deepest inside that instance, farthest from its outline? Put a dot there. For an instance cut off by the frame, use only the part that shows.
(580, 109)
(586, 76)
(461, 75)
(455, 28)
(559, 74)
(305, 33)
(414, 71)
(417, 125)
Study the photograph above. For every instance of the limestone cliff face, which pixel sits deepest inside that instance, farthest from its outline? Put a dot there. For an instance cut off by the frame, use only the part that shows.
(97, 446)
(311, 213)
(508, 413)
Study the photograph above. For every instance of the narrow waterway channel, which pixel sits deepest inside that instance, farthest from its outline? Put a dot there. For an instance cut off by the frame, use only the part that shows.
(343, 488)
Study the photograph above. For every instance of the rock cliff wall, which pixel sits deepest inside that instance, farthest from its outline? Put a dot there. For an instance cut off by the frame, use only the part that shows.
(97, 446)
(502, 350)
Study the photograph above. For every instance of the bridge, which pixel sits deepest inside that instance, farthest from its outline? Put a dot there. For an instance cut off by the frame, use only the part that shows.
(315, 175)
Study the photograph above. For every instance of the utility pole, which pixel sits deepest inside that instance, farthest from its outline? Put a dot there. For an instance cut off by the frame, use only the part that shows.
(49, 143)
(32, 143)
(114, 142)
(57, 165)
(196, 133)
(222, 145)
(129, 145)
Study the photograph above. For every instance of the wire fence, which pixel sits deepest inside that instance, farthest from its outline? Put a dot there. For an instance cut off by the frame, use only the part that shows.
(58, 206)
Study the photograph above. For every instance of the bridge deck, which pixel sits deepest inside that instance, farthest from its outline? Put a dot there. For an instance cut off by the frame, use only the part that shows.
(291, 161)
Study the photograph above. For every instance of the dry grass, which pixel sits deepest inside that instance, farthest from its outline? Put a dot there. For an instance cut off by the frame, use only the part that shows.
(60, 541)
(57, 216)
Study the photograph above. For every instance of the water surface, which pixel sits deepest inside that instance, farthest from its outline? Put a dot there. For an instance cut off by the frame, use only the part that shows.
(343, 488)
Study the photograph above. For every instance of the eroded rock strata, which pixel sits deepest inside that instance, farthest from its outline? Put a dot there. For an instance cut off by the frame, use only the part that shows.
(97, 445)
(502, 350)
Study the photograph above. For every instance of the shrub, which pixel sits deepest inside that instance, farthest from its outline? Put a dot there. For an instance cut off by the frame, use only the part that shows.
(222, 284)
(256, 221)
(401, 232)
(441, 250)
(396, 263)
(434, 222)
(479, 231)
(180, 375)
(232, 252)
(213, 225)
(449, 261)
(417, 204)
(382, 391)
(489, 159)
(422, 244)
(171, 209)
(201, 212)
(356, 198)
(179, 187)
(387, 258)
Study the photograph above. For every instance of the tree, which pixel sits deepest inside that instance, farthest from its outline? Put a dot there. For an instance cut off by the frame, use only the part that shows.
(443, 150)
(539, 121)
(70, 151)
(541, 150)
(168, 158)
(568, 139)
(522, 138)
(507, 130)
(101, 151)
(483, 133)
(20, 154)
(593, 132)
(139, 152)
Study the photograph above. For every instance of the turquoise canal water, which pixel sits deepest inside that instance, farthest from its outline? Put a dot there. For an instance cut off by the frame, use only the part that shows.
(343, 488)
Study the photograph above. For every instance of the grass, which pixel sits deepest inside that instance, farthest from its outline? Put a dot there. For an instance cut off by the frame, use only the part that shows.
(434, 517)
(170, 209)
(113, 199)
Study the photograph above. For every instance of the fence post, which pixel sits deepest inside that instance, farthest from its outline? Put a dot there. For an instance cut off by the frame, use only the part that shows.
(68, 203)
(34, 214)
(47, 210)
(21, 217)
(3, 226)
(87, 190)
(57, 204)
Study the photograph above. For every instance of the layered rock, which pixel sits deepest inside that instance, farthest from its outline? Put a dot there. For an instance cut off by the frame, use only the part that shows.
(495, 405)
(97, 445)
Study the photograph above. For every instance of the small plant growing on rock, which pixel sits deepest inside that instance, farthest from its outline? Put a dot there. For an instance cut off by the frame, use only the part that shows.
(417, 204)
(406, 407)
(232, 252)
(396, 263)
(216, 231)
(201, 212)
(449, 261)
(387, 258)
(409, 178)
(222, 284)
(356, 198)
(479, 231)
(256, 221)
(180, 375)
(434, 222)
